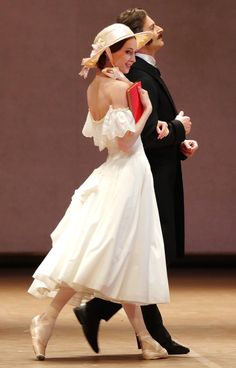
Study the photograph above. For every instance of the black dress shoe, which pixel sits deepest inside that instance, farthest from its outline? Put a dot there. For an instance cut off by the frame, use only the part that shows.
(174, 348)
(90, 325)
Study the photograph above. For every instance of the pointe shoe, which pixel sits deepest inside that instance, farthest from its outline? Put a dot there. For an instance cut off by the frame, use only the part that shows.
(40, 330)
(172, 347)
(151, 349)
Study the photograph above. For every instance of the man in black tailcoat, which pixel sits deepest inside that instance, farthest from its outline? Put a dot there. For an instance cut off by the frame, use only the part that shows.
(165, 157)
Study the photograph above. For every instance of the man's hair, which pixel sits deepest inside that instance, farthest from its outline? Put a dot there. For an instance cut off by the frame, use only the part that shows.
(133, 18)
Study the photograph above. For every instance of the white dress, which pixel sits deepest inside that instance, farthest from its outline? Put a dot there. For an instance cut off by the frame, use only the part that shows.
(109, 243)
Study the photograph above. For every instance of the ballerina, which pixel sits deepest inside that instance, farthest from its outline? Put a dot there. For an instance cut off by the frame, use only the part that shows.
(109, 243)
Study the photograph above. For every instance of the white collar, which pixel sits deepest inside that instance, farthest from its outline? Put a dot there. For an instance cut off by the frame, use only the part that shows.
(148, 58)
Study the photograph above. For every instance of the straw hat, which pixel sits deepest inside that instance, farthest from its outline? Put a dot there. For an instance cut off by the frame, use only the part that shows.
(108, 37)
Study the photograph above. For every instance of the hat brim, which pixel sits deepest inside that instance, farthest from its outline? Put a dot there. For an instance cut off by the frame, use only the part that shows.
(142, 38)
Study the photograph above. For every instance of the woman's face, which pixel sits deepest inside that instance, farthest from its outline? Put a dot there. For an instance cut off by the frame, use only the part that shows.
(125, 57)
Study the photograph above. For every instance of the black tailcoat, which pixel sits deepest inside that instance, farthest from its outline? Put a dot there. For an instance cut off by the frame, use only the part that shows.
(164, 156)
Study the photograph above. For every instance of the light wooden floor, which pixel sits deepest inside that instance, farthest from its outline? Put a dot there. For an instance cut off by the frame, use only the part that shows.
(202, 315)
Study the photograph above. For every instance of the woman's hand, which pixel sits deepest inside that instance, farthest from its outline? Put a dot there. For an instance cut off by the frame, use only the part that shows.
(162, 129)
(145, 100)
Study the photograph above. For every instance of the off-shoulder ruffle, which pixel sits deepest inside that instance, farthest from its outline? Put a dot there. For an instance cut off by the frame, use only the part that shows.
(115, 123)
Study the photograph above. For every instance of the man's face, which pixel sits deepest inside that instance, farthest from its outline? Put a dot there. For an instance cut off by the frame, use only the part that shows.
(157, 41)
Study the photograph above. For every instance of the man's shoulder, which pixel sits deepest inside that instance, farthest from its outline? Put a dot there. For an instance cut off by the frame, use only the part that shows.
(140, 73)
(144, 69)
(148, 80)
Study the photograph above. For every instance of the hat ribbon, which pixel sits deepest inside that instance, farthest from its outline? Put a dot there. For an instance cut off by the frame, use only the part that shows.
(96, 47)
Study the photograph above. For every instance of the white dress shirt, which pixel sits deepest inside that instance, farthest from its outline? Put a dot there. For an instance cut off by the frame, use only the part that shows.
(148, 58)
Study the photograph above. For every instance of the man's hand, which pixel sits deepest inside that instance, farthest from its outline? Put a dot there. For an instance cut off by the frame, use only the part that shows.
(189, 147)
(185, 120)
(162, 129)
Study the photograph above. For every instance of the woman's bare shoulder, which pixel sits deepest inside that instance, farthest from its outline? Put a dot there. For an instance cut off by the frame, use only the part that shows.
(105, 93)
(118, 91)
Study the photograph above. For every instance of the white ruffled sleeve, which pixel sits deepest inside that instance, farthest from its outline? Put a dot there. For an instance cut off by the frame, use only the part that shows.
(88, 127)
(116, 123)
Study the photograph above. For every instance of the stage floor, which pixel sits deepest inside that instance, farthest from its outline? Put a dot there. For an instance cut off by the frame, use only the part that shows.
(201, 315)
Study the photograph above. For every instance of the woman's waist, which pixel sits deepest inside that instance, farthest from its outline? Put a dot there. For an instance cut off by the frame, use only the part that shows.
(133, 151)
(115, 148)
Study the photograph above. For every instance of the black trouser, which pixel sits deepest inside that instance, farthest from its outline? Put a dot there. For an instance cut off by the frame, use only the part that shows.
(104, 309)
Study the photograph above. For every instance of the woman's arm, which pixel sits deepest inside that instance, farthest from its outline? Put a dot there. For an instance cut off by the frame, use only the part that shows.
(120, 100)
(130, 138)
